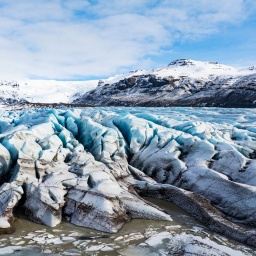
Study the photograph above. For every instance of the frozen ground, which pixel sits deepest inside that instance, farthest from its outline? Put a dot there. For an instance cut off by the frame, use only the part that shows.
(94, 166)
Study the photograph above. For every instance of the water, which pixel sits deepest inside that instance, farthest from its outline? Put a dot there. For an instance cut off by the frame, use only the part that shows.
(67, 239)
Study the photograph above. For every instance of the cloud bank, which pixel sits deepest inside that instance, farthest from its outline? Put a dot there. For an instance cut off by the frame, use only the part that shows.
(66, 39)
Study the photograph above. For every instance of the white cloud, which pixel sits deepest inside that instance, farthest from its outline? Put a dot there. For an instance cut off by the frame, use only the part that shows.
(65, 39)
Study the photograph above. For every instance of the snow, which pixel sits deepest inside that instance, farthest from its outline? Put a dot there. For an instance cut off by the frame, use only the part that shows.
(51, 91)
(46, 91)
(187, 67)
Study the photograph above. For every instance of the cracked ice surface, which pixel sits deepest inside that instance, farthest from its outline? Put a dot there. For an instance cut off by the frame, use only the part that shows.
(91, 166)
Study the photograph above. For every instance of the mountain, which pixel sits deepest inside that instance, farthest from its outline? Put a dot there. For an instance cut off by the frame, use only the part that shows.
(43, 91)
(183, 82)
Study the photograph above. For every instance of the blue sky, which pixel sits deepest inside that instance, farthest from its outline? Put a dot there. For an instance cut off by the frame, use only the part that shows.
(84, 39)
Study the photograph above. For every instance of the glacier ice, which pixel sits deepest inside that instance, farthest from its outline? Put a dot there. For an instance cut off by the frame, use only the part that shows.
(92, 166)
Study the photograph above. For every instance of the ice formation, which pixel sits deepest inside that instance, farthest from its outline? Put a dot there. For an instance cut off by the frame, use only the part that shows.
(93, 165)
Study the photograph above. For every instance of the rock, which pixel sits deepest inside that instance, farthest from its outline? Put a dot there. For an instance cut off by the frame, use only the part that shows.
(198, 84)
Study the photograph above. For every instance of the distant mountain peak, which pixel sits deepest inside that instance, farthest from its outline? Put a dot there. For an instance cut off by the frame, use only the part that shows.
(182, 62)
(252, 68)
(189, 62)
(200, 68)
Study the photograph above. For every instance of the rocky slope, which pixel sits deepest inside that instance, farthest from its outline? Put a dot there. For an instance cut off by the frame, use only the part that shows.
(183, 83)
(92, 167)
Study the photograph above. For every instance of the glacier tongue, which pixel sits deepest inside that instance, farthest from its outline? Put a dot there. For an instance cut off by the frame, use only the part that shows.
(93, 165)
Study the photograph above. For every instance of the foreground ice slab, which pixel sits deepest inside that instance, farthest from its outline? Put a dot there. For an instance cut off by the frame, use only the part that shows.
(93, 165)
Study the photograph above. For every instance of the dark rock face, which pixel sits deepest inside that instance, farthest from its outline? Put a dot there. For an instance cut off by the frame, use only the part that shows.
(151, 91)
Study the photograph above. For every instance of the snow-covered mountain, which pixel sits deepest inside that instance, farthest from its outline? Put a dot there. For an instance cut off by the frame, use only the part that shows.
(182, 83)
(44, 91)
(185, 67)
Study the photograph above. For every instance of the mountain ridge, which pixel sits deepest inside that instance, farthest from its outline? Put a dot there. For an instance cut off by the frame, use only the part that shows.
(183, 82)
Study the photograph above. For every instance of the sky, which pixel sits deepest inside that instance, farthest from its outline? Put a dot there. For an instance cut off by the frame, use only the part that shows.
(92, 39)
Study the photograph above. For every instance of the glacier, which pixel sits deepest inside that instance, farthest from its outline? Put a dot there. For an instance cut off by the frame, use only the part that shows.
(43, 91)
(95, 166)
